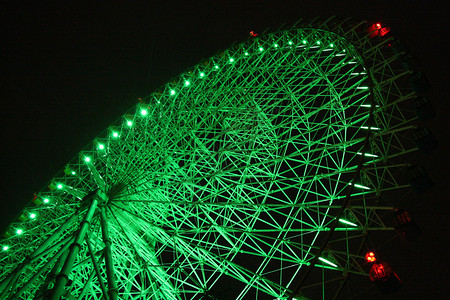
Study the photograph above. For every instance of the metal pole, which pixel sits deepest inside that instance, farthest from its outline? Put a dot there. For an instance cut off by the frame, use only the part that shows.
(11, 279)
(97, 269)
(39, 273)
(8, 282)
(63, 277)
(112, 288)
(55, 235)
(87, 285)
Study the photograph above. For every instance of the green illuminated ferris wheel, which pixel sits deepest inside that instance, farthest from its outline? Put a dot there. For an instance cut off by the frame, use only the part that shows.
(256, 174)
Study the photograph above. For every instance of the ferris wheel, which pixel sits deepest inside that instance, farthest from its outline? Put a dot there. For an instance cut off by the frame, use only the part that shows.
(256, 174)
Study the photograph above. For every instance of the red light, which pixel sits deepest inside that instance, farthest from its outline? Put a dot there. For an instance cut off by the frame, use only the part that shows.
(374, 29)
(252, 34)
(384, 277)
(384, 31)
(380, 271)
(370, 257)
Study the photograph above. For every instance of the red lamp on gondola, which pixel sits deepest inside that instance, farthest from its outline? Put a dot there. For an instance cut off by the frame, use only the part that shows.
(377, 30)
(370, 257)
(382, 275)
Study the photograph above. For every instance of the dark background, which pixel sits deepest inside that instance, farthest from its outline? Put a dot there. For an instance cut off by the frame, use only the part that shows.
(69, 70)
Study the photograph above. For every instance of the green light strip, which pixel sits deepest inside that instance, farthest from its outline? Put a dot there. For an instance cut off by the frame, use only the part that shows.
(328, 262)
(348, 222)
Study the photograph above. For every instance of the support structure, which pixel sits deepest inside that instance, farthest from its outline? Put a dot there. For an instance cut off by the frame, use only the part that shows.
(63, 277)
(112, 287)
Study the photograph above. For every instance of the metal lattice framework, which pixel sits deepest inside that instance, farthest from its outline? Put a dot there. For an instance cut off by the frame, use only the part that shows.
(258, 170)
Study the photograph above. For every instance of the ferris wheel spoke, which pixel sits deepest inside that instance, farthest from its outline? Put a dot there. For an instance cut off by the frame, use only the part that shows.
(213, 243)
(192, 250)
(146, 255)
(236, 271)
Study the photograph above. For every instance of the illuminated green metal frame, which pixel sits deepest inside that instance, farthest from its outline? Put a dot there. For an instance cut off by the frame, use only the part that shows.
(259, 168)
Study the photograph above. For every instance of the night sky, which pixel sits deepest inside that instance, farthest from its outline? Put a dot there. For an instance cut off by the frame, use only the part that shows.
(69, 71)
